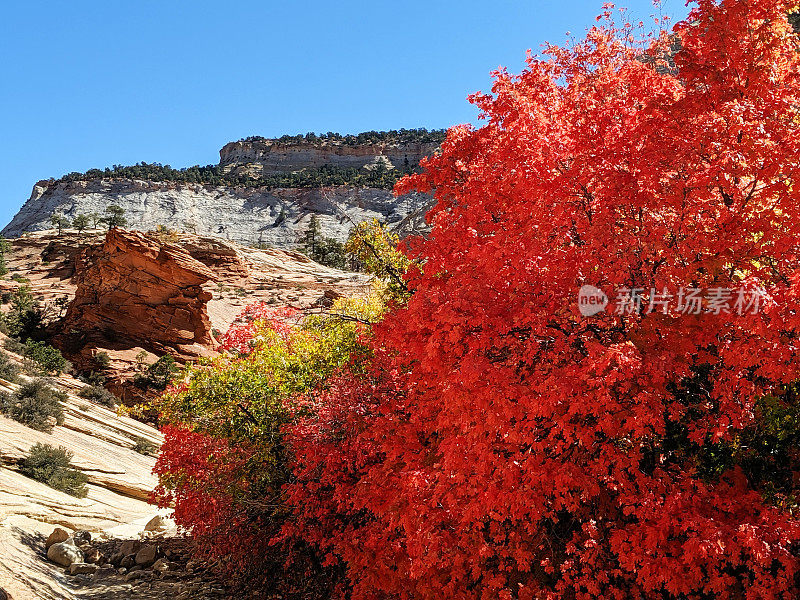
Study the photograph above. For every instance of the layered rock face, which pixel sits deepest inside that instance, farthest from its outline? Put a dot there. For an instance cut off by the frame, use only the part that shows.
(120, 482)
(248, 215)
(137, 287)
(270, 156)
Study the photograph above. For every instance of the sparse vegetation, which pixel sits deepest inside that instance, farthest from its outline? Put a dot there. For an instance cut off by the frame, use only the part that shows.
(8, 370)
(94, 378)
(25, 324)
(394, 136)
(61, 304)
(146, 447)
(158, 375)
(325, 176)
(49, 360)
(5, 248)
(165, 235)
(115, 216)
(324, 250)
(53, 466)
(102, 359)
(96, 219)
(59, 222)
(99, 395)
(141, 357)
(25, 319)
(34, 404)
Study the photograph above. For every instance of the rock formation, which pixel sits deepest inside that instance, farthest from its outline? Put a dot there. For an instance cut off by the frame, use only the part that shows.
(264, 156)
(120, 481)
(135, 288)
(55, 267)
(247, 215)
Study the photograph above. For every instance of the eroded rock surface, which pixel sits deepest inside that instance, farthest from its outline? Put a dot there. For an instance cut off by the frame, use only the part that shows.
(141, 289)
(245, 214)
(55, 266)
(269, 156)
(120, 481)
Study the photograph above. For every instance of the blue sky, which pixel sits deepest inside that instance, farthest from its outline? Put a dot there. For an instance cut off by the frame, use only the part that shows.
(89, 84)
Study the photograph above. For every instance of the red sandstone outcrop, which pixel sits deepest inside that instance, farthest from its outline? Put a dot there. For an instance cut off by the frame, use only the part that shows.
(116, 288)
(220, 256)
(142, 290)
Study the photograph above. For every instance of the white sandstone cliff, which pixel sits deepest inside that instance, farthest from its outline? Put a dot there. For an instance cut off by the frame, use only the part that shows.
(247, 215)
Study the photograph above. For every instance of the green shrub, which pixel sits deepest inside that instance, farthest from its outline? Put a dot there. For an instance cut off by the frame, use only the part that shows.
(102, 359)
(80, 222)
(15, 346)
(145, 447)
(53, 466)
(158, 375)
(92, 378)
(8, 370)
(49, 359)
(35, 404)
(25, 319)
(99, 395)
(5, 248)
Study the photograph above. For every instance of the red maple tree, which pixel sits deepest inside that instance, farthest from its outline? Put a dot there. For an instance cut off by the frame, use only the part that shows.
(504, 445)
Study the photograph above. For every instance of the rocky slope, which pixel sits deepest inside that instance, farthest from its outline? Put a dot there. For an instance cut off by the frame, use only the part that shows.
(247, 215)
(120, 481)
(131, 293)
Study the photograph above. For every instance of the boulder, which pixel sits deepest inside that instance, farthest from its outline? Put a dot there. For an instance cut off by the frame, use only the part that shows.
(147, 555)
(79, 568)
(129, 547)
(65, 553)
(4, 595)
(94, 556)
(137, 575)
(161, 565)
(59, 535)
(104, 572)
(157, 524)
(82, 537)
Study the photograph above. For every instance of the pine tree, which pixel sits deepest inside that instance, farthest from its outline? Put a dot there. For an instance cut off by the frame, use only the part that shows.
(115, 216)
(59, 221)
(312, 237)
(80, 222)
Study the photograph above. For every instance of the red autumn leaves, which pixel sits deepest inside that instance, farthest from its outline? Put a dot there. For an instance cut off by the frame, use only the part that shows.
(501, 445)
